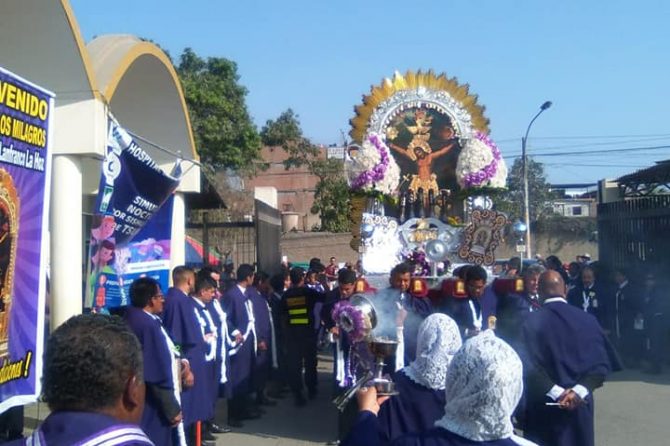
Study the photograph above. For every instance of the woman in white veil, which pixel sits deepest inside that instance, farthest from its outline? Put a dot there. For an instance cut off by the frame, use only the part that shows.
(483, 386)
(421, 397)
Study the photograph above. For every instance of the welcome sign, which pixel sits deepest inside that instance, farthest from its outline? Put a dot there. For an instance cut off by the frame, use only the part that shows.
(25, 177)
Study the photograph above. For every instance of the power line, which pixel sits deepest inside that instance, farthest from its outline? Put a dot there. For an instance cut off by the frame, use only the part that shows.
(594, 165)
(593, 157)
(608, 143)
(593, 152)
(650, 135)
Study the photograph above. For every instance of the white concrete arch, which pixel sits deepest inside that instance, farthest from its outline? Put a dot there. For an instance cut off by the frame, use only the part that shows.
(41, 41)
(143, 92)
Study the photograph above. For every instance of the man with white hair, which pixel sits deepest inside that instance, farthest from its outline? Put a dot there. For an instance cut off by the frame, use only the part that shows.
(513, 308)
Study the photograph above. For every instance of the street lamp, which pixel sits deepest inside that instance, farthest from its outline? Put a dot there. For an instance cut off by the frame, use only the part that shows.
(526, 206)
(520, 230)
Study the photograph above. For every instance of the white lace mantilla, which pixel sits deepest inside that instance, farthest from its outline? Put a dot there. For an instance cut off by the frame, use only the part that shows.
(437, 342)
(483, 386)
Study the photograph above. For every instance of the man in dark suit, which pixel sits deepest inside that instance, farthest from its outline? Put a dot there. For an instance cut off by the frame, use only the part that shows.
(513, 308)
(656, 311)
(627, 308)
(593, 297)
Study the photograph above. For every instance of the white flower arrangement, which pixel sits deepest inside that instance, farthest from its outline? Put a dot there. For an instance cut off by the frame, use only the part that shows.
(480, 164)
(372, 168)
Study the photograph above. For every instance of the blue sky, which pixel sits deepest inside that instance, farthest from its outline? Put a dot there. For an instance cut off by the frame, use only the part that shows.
(604, 64)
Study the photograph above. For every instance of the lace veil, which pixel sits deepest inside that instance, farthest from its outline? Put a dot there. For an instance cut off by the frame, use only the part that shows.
(483, 386)
(437, 342)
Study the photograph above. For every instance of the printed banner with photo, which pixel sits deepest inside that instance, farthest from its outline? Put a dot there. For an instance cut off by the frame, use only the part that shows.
(25, 165)
(133, 188)
(147, 255)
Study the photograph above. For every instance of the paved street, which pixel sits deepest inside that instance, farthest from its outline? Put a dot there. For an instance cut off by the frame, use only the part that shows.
(632, 409)
(287, 425)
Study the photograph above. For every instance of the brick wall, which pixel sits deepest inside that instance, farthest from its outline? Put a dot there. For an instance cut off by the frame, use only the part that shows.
(295, 187)
(300, 247)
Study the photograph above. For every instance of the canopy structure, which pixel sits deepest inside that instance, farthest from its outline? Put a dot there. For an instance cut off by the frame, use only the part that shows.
(195, 253)
(645, 182)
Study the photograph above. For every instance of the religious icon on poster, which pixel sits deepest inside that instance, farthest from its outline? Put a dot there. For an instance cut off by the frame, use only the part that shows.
(9, 212)
(482, 236)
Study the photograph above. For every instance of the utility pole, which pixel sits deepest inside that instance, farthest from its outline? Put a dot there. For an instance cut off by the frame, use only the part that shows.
(524, 161)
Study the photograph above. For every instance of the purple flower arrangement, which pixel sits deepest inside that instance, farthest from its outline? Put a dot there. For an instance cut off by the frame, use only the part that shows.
(418, 259)
(475, 179)
(350, 319)
(376, 174)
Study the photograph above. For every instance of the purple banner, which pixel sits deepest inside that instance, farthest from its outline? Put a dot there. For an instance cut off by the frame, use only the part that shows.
(25, 164)
(133, 189)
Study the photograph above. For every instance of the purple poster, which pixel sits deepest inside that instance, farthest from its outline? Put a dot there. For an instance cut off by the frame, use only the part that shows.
(25, 164)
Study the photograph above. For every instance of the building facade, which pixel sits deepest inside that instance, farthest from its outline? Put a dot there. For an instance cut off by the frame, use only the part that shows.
(114, 74)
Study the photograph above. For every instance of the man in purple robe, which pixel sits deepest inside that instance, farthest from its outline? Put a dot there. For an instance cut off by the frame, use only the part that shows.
(468, 312)
(265, 359)
(400, 315)
(186, 324)
(346, 285)
(206, 388)
(567, 357)
(242, 329)
(223, 343)
(162, 408)
(93, 383)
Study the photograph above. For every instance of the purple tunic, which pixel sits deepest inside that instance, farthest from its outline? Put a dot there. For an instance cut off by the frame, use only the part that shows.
(76, 428)
(182, 323)
(179, 319)
(563, 346)
(489, 301)
(331, 299)
(461, 311)
(365, 433)
(221, 354)
(242, 358)
(512, 311)
(415, 409)
(263, 360)
(205, 391)
(157, 372)
(417, 309)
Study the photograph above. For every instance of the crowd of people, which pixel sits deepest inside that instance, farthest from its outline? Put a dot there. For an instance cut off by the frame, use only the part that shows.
(565, 324)
(223, 344)
(475, 367)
